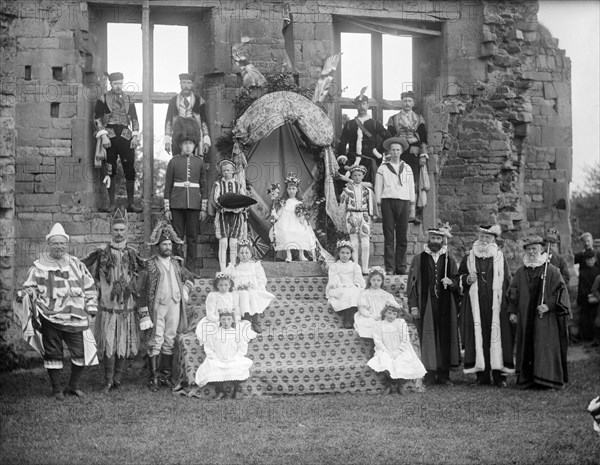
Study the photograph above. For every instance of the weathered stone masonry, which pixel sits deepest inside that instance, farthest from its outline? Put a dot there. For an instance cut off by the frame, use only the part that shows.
(493, 86)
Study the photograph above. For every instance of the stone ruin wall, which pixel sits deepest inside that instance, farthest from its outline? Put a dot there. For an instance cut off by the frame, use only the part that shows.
(497, 107)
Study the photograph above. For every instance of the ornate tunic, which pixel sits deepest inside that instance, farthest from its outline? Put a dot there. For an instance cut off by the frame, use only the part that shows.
(359, 201)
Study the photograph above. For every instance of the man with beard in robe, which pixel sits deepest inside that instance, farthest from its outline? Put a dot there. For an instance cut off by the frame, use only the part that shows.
(488, 339)
(432, 282)
(538, 303)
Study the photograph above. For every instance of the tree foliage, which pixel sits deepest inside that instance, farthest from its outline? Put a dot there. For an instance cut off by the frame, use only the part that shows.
(585, 203)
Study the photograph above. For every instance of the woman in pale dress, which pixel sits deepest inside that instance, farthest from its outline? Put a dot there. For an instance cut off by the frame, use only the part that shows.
(371, 303)
(222, 298)
(250, 284)
(394, 354)
(345, 284)
(225, 360)
(291, 230)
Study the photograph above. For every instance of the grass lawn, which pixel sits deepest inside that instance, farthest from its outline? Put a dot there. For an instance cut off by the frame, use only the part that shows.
(456, 425)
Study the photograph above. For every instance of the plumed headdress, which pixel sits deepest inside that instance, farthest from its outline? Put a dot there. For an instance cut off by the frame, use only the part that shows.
(186, 129)
(163, 231)
(493, 229)
(361, 97)
(443, 230)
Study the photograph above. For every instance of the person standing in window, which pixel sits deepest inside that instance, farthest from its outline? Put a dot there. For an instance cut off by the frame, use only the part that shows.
(187, 104)
(116, 122)
(361, 142)
(411, 126)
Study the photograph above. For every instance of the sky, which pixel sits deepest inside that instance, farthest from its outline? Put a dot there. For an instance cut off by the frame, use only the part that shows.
(575, 23)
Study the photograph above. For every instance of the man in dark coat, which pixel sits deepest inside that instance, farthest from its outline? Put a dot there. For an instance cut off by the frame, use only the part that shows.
(487, 333)
(589, 268)
(538, 304)
(164, 289)
(116, 123)
(187, 104)
(432, 282)
(361, 142)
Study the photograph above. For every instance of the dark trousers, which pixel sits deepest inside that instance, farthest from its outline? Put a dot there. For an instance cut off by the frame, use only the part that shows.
(395, 214)
(587, 316)
(186, 223)
(120, 147)
(53, 337)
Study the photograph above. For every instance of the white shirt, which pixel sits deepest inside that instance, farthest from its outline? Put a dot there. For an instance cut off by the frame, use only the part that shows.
(389, 185)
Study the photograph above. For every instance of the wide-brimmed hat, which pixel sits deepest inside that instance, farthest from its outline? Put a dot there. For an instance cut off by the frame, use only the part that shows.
(493, 229)
(395, 140)
(533, 240)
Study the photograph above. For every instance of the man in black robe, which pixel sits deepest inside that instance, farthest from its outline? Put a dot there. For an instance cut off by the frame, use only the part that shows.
(432, 282)
(538, 304)
(487, 333)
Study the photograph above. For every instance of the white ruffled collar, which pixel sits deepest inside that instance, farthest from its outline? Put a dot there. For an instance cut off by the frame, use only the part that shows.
(491, 250)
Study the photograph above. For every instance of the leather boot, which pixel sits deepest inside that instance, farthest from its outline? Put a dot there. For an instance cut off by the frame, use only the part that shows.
(237, 390)
(388, 386)
(166, 365)
(255, 324)
(112, 205)
(153, 379)
(119, 366)
(56, 381)
(131, 207)
(109, 369)
(74, 381)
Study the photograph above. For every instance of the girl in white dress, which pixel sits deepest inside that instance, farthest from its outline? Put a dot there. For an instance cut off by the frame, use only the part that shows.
(222, 297)
(394, 354)
(345, 283)
(225, 360)
(291, 230)
(371, 303)
(250, 284)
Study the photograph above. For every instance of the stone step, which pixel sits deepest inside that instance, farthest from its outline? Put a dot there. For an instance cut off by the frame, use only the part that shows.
(293, 288)
(273, 269)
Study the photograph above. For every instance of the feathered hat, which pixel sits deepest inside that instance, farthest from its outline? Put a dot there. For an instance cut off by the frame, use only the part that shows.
(163, 231)
(493, 229)
(361, 97)
(443, 230)
(186, 129)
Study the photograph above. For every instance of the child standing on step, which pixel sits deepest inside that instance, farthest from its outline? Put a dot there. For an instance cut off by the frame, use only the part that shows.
(230, 223)
(371, 302)
(291, 230)
(345, 284)
(394, 354)
(226, 361)
(358, 199)
(222, 297)
(250, 284)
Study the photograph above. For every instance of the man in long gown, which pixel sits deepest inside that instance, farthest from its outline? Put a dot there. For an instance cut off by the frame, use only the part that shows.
(432, 280)
(487, 333)
(539, 305)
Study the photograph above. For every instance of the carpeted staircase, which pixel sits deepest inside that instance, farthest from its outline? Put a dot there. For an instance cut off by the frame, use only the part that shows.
(303, 348)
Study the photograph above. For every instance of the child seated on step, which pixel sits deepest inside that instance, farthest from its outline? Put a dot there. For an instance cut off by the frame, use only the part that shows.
(371, 303)
(226, 362)
(222, 297)
(291, 230)
(250, 284)
(394, 354)
(345, 284)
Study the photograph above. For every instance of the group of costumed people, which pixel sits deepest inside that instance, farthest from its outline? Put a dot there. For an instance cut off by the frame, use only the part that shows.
(476, 302)
(384, 173)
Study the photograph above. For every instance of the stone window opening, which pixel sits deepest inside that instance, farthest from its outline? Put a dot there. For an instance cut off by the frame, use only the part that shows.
(27, 75)
(57, 73)
(54, 109)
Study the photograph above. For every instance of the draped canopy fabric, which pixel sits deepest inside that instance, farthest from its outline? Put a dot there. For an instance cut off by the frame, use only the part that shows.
(273, 110)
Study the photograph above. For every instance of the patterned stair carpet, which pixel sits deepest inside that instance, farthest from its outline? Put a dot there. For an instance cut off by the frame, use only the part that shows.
(303, 348)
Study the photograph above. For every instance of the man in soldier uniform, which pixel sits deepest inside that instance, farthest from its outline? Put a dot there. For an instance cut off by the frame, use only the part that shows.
(187, 104)
(117, 124)
(185, 197)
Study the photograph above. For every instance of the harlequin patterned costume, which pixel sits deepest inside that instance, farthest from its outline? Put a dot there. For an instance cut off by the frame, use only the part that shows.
(359, 201)
(228, 224)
